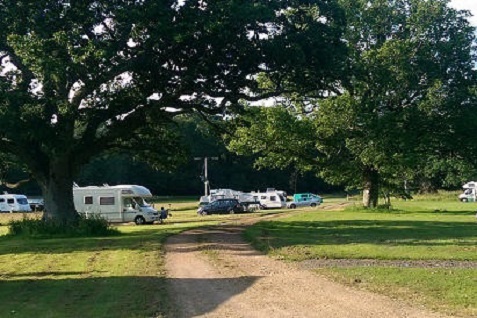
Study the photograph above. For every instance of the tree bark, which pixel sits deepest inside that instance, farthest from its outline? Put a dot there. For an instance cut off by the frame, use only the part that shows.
(370, 187)
(57, 188)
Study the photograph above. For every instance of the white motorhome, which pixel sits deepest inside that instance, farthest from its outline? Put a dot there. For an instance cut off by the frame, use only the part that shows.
(14, 203)
(470, 185)
(469, 195)
(120, 203)
(270, 199)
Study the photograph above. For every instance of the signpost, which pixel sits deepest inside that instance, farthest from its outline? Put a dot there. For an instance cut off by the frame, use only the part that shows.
(206, 180)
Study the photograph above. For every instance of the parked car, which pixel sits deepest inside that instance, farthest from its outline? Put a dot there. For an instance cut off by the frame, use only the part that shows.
(305, 199)
(221, 206)
(36, 204)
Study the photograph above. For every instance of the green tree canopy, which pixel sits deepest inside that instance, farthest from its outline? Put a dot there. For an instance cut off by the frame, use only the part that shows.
(79, 78)
(406, 108)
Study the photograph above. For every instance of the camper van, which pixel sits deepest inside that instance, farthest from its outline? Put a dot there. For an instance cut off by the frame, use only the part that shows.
(14, 203)
(120, 203)
(469, 195)
(270, 200)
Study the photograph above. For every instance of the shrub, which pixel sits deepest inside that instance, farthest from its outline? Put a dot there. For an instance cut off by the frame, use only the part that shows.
(438, 196)
(50, 228)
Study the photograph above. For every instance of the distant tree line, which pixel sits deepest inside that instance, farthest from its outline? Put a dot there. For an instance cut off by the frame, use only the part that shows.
(200, 140)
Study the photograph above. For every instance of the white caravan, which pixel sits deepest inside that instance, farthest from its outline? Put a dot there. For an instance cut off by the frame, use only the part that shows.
(215, 194)
(270, 200)
(14, 203)
(120, 203)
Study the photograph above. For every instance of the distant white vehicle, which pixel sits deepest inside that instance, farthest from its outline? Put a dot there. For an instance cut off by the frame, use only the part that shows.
(14, 203)
(469, 195)
(270, 199)
(120, 203)
(216, 194)
(470, 185)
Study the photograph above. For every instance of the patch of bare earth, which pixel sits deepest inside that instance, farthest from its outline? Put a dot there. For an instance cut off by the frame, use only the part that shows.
(213, 272)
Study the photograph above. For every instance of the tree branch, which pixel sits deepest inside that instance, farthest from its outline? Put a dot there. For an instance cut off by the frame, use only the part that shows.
(27, 74)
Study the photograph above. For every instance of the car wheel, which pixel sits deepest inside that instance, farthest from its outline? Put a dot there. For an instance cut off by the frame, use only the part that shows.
(292, 206)
(313, 205)
(464, 199)
(139, 220)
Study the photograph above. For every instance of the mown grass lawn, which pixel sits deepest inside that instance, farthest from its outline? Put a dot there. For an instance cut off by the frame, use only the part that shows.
(117, 276)
(414, 230)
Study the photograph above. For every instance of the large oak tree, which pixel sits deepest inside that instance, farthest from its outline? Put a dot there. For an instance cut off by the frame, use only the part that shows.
(79, 78)
(405, 112)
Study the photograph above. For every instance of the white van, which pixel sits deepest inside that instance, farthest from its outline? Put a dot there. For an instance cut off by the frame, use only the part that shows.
(14, 203)
(120, 203)
(469, 195)
(270, 200)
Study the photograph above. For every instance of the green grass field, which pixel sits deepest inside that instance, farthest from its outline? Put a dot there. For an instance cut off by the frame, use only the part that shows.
(119, 276)
(438, 231)
(123, 276)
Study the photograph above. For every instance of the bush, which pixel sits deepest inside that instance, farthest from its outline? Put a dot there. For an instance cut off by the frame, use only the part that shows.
(82, 227)
(438, 196)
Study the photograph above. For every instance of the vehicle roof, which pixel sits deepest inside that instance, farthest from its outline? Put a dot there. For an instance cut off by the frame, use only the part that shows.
(11, 195)
(126, 189)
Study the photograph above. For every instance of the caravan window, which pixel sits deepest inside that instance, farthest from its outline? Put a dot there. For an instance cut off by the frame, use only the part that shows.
(22, 201)
(11, 201)
(273, 198)
(88, 200)
(2, 200)
(106, 201)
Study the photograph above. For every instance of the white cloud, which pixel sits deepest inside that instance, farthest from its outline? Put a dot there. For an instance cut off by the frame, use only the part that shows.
(470, 5)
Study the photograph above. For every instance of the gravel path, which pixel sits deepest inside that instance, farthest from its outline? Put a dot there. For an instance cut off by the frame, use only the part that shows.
(213, 273)
(320, 263)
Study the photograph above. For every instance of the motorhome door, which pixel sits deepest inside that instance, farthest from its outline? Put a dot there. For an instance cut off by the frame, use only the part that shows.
(130, 209)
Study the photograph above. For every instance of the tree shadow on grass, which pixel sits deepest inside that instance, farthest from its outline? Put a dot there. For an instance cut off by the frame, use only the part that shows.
(379, 232)
(135, 296)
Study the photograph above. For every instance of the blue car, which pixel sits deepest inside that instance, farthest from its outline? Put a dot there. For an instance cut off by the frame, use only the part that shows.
(304, 199)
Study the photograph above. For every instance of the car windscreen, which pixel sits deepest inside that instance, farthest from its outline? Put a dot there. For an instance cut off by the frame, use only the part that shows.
(141, 202)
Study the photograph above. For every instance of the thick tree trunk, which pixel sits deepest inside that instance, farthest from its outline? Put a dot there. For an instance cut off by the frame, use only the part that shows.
(370, 188)
(57, 189)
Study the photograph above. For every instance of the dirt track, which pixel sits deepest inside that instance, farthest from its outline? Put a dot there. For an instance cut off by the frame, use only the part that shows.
(214, 273)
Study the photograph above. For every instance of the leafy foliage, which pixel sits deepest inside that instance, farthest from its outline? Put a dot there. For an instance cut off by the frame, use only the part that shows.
(410, 92)
(282, 138)
(404, 113)
(79, 79)
(35, 228)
